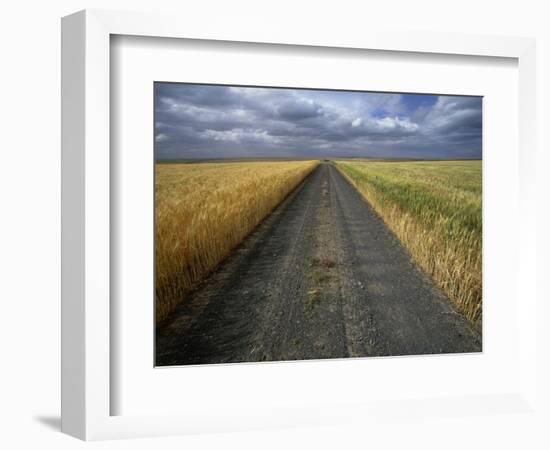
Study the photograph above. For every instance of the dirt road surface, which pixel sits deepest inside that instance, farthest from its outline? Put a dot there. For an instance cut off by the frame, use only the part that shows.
(321, 277)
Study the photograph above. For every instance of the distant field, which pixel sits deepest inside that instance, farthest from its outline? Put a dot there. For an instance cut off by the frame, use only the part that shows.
(435, 210)
(204, 210)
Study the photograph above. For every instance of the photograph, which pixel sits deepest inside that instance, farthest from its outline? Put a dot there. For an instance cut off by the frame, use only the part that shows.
(294, 223)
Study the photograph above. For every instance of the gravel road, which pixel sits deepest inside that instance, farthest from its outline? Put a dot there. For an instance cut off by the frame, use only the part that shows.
(321, 277)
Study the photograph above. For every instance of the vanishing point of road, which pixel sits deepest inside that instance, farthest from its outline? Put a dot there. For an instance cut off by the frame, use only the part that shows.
(321, 277)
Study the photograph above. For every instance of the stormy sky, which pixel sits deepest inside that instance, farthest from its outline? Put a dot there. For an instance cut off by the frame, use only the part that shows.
(206, 121)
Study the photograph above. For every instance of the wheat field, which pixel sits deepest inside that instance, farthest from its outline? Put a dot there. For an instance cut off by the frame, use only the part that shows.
(434, 208)
(204, 210)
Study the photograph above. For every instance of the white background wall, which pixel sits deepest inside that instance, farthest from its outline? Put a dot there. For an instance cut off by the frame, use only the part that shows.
(30, 196)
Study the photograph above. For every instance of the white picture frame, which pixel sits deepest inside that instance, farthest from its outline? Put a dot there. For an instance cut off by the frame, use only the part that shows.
(86, 325)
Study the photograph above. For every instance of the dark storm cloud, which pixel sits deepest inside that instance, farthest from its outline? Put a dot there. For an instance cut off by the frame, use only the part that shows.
(299, 109)
(200, 121)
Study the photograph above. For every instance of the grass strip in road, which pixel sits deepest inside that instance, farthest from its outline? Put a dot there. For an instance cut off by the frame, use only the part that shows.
(434, 208)
(203, 211)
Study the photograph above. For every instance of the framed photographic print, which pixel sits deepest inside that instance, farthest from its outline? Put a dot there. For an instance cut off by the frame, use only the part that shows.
(266, 228)
(265, 248)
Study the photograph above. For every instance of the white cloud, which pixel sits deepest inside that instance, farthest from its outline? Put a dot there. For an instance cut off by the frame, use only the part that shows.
(229, 135)
(392, 123)
(240, 135)
(356, 122)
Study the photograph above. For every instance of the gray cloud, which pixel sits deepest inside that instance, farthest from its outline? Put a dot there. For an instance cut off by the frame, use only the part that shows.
(201, 121)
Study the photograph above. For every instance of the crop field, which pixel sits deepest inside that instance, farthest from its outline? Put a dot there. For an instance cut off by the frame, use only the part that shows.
(434, 208)
(203, 211)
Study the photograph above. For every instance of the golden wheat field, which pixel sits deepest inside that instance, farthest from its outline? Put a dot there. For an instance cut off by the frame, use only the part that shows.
(434, 208)
(204, 210)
